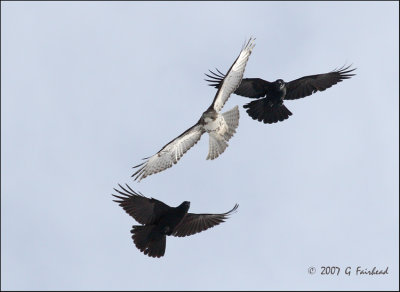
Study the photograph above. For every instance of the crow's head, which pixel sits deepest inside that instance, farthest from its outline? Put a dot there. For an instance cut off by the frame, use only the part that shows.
(185, 205)
(280, 84)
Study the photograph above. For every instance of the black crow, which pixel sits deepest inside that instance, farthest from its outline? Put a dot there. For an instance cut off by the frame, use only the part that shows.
(159, 220)
(270, 109)
(220, 127)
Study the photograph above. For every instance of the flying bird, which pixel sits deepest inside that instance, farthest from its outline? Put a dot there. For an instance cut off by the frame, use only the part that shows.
(160, 220)
(270, 108)
(220, 126)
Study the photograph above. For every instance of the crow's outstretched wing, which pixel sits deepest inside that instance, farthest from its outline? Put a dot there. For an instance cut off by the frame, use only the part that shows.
(233, 77)
(195, 223)
(142, 209)
(308, 85)
(249, 87)
(170, 153)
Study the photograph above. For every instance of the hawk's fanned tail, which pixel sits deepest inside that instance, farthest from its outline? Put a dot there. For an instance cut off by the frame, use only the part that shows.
(231, 118)
(217, 145)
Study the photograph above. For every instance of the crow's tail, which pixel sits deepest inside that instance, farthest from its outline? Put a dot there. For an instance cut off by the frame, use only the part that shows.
(263, 110)
(148, 240)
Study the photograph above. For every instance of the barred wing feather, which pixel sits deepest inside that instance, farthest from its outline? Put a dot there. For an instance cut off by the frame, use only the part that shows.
(234, 77)
(170, 153)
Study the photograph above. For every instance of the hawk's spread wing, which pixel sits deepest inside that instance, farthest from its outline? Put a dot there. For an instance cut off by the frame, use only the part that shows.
(232, 79)
(170, 153)
(195, 223)
(142, 209)
(249, 87)
(308, 85)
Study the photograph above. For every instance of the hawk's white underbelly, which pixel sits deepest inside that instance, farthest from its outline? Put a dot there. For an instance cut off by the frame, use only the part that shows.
(218, 126)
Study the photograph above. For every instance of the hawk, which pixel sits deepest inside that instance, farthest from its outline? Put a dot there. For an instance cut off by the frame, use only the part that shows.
(270, 108)
(160, 220)
(220, 126)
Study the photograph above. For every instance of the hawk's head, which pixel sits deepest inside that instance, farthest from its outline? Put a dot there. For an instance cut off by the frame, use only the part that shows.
(208, 116)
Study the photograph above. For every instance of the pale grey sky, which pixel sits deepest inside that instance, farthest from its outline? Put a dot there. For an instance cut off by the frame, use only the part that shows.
(89, 89)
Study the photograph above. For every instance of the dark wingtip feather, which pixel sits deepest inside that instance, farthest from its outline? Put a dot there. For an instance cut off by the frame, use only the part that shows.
(234, 209)
(121, 199)
(222, 74)
(139, 164)
(215, 79)
(230, 212)
(125, 193)
(215, 74)
(139, 172)
(129, 192)
(345, 70)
